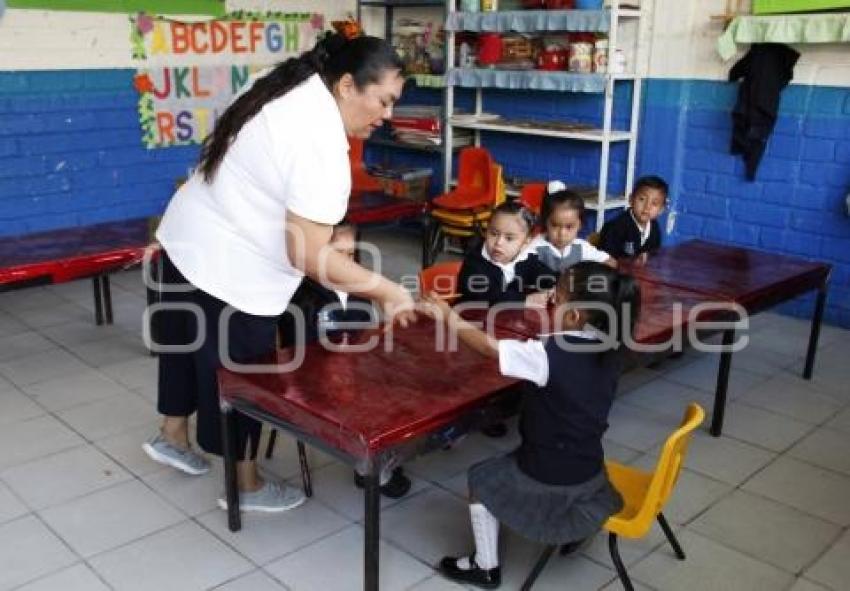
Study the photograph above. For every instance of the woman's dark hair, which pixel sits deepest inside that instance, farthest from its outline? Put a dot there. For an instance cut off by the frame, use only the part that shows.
(565, 197)
(650, 182)
(518, 209)
(598, 285)
(365, 58)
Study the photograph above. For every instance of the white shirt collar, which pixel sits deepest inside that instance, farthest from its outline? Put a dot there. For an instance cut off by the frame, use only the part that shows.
(540, 241)
(508, 269)
(644, 232)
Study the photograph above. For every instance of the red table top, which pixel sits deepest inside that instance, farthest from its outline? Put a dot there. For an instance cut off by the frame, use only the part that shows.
(62, 255)
(748, 277)
(362, 403)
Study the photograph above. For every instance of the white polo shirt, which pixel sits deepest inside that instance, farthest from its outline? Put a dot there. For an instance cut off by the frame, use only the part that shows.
(227, 237)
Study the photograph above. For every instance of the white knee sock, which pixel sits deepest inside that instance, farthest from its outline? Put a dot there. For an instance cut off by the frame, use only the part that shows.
(485, 528)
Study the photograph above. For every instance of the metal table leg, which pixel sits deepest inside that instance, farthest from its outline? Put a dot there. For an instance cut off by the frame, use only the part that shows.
(814, 335)
(372, 495)
(107, 298)
(722, 383)
(231, 485)
(98, 302)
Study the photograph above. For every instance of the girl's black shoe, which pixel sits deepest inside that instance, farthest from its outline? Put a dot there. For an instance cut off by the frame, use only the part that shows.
(475, 575)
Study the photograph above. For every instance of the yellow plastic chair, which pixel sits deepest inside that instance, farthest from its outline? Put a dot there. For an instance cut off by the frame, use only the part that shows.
(644, 496)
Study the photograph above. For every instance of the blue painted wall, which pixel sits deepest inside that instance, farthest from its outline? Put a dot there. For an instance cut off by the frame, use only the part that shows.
(71, 154)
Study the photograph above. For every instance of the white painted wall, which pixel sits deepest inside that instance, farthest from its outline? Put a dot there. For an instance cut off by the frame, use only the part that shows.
(680, 41)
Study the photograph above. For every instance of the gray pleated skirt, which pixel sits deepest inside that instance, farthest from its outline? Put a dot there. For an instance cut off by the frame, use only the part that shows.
(547, 513)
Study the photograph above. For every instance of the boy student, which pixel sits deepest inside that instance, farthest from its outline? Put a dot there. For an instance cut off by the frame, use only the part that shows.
(636, 230)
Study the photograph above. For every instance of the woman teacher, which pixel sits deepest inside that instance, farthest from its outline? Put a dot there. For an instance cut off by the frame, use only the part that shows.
(238, 237)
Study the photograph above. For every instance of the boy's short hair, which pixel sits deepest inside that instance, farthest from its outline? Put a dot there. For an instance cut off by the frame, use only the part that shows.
(650, 182)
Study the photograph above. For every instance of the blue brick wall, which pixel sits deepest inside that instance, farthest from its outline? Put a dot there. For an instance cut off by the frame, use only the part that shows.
(71, 152)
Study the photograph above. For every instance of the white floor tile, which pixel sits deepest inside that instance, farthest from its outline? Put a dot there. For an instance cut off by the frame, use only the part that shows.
(104, 418)
(802, 584)
(255, 581)
(265, 537)
(9, 325)
(429, 526)
(616, 585)
(74, 334)
(793, 397)
(118, 349)
(63, 476)
(39, 367)
(136, 373)
(762, 427)
(702, 375)
(437, 583)
(56, 314)
(667, 398)
(777, 534)
(709, 566)
(344, 550)
(15, 407)
(334, 486)
(635, 378)
(111, 517)
(185, 557)
(28, 440)
(833, 568)
(575, 571)
(759, 360)
(23, 344)
(284, 462)
(11, 506)
(30, 551)
(631, 550)
(831, 370)
(841, 421)
(825, 448)
(126, 449)
(811, 489)
(619, 453)
(77, 578)
(725, 459)
(191, 494)
(64, 392)
(25, 299)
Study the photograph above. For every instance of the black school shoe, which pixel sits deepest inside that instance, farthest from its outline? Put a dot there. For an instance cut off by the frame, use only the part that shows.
(486, 579)
(395, 488)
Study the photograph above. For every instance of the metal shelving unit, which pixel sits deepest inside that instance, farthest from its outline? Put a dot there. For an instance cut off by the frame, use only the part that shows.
(389, 7)
(546, 22)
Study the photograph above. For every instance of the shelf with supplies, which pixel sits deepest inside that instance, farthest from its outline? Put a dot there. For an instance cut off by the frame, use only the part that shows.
(419, 147)
(512, 70)
(563, 130)
(824, 27)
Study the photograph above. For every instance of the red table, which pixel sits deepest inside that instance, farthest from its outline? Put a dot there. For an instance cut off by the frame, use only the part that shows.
(74, 253)
(375, 409)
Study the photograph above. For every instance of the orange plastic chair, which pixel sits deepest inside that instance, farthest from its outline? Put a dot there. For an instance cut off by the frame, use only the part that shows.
(441, 279)
(644, 496)
(361, 180)
(474, 188)
(531, 196)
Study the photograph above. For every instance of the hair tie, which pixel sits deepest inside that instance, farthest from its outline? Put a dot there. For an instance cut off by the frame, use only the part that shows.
(555, 186)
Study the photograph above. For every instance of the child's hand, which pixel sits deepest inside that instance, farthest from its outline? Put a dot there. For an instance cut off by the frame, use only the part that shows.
(434, 306)
(539, 299)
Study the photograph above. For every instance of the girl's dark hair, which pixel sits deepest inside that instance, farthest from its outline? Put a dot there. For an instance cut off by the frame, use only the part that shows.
(518, 209)
(565, 197)
(599, 285)
(365, 58)
(651, 182)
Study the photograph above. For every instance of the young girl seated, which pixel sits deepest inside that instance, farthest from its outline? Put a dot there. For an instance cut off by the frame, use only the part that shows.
(501, 270)
(636, 231)
(559, 247)
(553, 488)
(330, 314)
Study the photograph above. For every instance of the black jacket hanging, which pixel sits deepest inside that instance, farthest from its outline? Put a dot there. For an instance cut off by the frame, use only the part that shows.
(766, 70)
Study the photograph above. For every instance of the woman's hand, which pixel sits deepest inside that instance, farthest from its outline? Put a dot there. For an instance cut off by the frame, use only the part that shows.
(397, 305)
(433, 306)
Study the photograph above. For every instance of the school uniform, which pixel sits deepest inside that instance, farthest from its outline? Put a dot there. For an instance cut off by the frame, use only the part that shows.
(557, 260)
(483, 280)
(325, 312)
(554, 488)
(622, 237)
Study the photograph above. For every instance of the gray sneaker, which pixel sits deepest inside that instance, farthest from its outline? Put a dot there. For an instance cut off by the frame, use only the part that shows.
(272, 497)
(185, 460)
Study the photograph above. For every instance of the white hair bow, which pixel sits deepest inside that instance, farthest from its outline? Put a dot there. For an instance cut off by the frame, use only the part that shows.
(555, 186)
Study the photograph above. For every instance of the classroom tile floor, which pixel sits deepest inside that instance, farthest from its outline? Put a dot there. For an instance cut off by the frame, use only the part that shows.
(766, 507)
